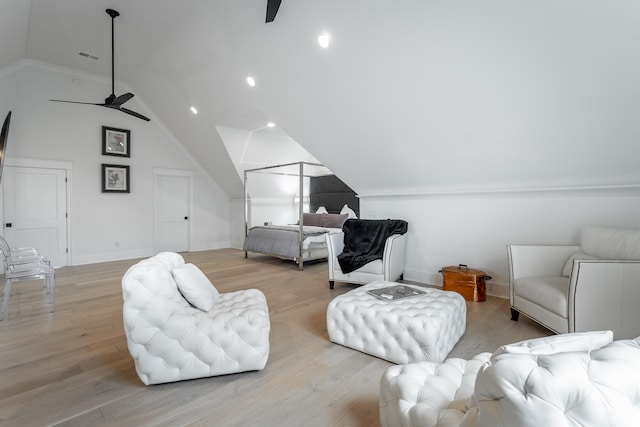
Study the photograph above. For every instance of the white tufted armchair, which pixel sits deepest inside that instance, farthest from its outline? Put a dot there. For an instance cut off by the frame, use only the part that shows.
(580, 379)
(171, 339)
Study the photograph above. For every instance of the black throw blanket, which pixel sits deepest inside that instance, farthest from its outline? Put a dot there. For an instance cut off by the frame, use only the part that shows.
(364, 240)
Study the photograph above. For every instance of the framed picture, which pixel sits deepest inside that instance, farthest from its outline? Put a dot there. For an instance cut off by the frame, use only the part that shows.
(115, 179)
(116, 142)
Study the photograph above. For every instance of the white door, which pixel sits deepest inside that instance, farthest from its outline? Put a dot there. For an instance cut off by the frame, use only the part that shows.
(35, 210)
(173, 199)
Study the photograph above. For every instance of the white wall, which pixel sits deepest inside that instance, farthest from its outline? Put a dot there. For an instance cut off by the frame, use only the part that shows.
(474, 228)
(41, 129)
(273, 197)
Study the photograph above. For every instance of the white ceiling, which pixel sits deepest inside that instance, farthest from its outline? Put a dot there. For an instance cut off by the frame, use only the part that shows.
(412, 96)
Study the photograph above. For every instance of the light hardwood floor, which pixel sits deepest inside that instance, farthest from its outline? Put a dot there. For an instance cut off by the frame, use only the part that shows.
(72, 367)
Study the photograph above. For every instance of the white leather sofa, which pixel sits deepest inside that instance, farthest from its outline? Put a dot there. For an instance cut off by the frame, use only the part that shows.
(388, 269)
(573, 288)
(178, 326)
(581, 379)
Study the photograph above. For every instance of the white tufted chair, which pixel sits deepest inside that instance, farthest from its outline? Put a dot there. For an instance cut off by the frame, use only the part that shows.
(571, 288)
(581, 379)
(171, 340)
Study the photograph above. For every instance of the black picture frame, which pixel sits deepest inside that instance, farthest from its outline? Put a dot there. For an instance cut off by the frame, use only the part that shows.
(115, 179)
(116, 142)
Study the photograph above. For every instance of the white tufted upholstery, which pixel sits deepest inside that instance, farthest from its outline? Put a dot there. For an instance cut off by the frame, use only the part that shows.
(565, 380)
(407, 330)
(170, 340)
(428, 393)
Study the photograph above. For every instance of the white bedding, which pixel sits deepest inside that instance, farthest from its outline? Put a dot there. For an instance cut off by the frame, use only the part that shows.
(283, 241)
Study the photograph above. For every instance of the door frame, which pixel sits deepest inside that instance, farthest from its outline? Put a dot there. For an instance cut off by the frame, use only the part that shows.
(158, 172)
(26, 162)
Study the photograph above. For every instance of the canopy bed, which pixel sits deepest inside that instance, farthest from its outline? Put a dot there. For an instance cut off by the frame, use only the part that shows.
(289, 209)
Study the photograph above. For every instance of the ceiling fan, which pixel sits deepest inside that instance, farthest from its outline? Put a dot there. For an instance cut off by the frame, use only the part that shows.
(112, 101)
(272, 9)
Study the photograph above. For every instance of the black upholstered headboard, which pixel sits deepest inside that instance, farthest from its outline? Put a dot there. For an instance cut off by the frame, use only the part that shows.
(329, 191)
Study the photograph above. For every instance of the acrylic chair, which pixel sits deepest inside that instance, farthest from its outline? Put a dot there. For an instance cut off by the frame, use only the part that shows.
(22, 265)
(20, 255)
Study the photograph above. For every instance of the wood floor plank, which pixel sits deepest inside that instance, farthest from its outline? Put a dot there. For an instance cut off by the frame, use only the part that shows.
(73, 368)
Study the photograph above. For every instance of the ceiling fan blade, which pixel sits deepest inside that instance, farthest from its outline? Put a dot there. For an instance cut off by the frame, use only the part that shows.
(133, 113)
(122, 99)
(75, 102)
(272, 9)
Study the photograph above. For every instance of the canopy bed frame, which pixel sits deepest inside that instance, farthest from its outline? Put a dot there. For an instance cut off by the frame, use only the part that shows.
(304, 239)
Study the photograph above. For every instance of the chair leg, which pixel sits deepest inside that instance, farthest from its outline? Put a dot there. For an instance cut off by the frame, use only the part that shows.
(7, 294)
(515, 314)
(331, 283)
(50, 279)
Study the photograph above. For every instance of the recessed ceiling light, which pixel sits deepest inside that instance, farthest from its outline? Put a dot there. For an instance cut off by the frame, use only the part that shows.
(194, 110)
(324, 40)
(271, 125)
(251, 81)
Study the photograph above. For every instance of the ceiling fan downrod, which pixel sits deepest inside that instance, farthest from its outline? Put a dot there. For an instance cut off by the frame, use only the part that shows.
(112, 13)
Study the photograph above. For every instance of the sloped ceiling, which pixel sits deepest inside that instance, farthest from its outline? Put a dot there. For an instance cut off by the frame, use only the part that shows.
(411, 96)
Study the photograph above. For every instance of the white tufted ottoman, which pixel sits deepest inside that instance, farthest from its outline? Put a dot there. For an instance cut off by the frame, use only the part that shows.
(422, 328)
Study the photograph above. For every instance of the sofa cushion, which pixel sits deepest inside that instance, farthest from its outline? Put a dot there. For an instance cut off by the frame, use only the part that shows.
(373, 267)
(195, 286)
(548, 292)
(610, 243)
(578, 341)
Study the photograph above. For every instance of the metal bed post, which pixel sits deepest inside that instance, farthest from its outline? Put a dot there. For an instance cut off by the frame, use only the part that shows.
(300, 216)
(246, 216)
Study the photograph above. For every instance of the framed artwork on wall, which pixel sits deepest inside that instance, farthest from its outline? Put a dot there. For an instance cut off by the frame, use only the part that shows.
(115, 179)
(116, 142)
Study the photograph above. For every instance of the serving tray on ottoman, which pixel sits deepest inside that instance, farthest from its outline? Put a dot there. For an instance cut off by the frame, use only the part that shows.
(421, 328)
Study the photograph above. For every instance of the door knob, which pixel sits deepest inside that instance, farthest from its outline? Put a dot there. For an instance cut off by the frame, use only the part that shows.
(186, 217)
(8, 225)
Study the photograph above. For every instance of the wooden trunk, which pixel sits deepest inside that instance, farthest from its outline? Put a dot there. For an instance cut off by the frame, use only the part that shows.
(467, 282)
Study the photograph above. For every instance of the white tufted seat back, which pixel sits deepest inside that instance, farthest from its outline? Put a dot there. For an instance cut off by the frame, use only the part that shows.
(170, 340)
(570, 380)
(588, 388)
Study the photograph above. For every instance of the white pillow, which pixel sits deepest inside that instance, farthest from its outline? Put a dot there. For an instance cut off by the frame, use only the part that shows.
(322, 210)
(348, 211)
(577, 341)
(195, 287)
(568, 266)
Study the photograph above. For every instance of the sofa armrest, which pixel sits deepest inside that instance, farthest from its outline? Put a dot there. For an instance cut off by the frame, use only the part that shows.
(335, 245)
(537, 260)
(604, 294)
(393, 257)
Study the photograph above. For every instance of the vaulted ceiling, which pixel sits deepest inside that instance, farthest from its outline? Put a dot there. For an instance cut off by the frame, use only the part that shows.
(411, 96)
